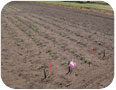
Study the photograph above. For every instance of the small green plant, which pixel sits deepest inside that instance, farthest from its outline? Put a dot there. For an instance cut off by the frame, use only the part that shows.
(89, 62)
(32, 36)
(73, 52)
(95, 41)
(72, 39)
(38, 31)
(81, 57)
(95, 33)
(64, 63)
(55, 55)
(52, 53)
(62, 46)
(49, 51)
(77, 55)
(78, 35)
(85, 61)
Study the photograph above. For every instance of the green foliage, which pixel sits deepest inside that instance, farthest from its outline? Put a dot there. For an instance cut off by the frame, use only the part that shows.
(64, 63)
(95, 5)
(49, 51)
(87, 61)
(52, 53)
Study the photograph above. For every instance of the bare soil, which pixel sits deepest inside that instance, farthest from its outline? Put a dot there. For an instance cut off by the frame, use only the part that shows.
(34, 33)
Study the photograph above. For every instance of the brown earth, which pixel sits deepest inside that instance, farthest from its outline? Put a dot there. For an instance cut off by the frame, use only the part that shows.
(34, 33)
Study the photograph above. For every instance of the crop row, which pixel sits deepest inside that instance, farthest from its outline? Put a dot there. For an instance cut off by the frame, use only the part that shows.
(36, 40)
(36, 29)
(65, 35)
(53, 40)
(66, 29)
(61, 20)
(59, 26)
(18, 41)
(14, 8)
(62, 34)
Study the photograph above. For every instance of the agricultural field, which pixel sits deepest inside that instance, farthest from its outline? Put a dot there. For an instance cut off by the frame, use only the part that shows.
(38, 40)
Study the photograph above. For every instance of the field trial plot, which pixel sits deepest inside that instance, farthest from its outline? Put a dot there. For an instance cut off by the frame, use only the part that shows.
(37, 36)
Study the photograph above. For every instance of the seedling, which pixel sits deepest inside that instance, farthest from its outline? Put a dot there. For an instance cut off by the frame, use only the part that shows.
(95, 33)
(65, 63)
(55, 55)
(52, 53)
(81, 57)
(77, 55)
(85, 61)
(49, 51)
(62, 46)
(99, 43)
(73, 52)
(89, 63)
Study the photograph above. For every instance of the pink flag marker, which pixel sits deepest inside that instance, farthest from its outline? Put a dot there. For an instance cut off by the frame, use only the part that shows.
(91, 52)
(50, 64)
(72, 64)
